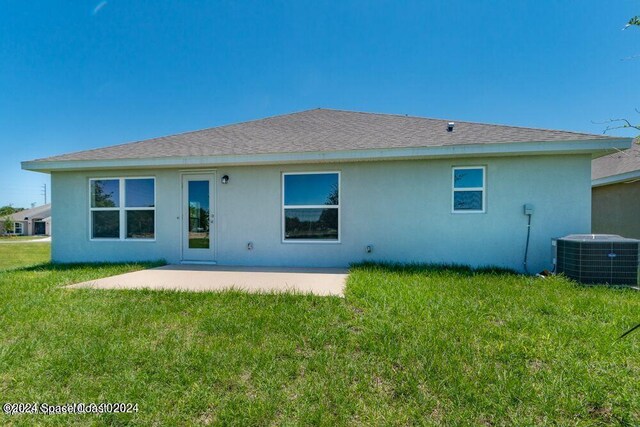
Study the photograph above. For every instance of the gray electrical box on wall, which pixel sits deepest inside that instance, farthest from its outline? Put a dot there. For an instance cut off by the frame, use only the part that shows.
(528, 209)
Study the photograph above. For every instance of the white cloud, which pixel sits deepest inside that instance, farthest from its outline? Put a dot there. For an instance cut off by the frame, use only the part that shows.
(99, 7)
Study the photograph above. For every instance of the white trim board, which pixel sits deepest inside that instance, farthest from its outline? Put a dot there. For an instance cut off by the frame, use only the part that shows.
(616, 179)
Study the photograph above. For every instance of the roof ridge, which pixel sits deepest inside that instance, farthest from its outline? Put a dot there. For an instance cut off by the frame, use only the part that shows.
(468, 122)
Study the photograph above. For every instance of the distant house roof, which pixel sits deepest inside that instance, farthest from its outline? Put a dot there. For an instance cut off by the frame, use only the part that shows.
(617, 167)
(320, 131)
(39, 212)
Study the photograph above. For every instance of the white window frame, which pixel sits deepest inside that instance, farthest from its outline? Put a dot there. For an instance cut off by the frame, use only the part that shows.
(15, 226)
(483, 189)
(122, 209)
(338, 206)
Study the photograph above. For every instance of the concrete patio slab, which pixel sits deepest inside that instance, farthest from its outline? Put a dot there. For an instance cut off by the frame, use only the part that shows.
(203, 278)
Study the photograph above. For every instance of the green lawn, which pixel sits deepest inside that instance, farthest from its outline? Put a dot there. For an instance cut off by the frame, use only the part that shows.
(13, 255)
(406, 346)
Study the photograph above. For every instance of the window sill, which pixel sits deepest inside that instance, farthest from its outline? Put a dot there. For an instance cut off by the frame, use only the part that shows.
(123, 240)
(312, 242)
(468, 212)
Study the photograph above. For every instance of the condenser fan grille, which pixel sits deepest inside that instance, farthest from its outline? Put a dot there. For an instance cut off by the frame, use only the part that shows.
(593, 259)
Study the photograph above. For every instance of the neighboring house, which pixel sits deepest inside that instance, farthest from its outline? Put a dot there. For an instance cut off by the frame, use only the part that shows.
(326, 188)
(32, 222)
(616, 193)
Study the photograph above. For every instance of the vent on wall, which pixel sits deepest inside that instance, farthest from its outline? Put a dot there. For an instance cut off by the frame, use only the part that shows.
(598, 258)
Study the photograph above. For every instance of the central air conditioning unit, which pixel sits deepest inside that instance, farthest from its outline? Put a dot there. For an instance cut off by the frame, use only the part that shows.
(598, 259)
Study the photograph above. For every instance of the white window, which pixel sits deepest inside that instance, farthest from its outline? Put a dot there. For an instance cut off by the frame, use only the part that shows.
(469, 189)
(17, 228)
(122, 208)
(311, 207)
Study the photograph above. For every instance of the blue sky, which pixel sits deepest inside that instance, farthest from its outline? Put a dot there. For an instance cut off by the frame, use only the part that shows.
(77, 75)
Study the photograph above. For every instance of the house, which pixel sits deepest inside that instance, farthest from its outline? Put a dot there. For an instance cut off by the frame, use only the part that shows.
(615, 181)
(326, 188)
(32, 222)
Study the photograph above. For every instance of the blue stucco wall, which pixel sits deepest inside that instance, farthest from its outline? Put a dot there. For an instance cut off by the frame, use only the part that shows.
(402, 208)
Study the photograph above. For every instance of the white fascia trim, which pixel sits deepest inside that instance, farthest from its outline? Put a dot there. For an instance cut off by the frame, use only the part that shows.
(470, 150)
(615, 179)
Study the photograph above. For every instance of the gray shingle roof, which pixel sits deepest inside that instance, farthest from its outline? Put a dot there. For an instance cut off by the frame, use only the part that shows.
(322, 130)
(617, 163)
(40, 212)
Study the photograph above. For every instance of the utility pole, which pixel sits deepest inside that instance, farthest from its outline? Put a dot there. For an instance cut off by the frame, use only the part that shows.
(44, 192)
